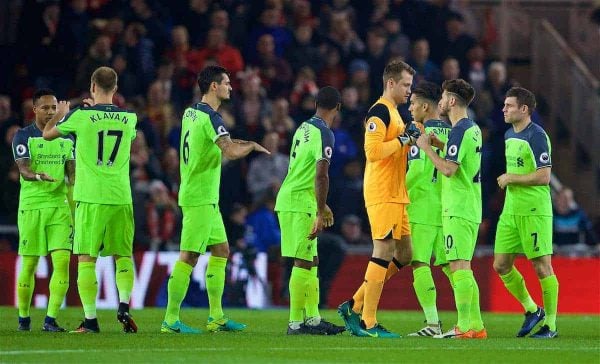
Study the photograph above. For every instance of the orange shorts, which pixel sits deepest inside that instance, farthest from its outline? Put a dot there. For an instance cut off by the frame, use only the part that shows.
(386, 218)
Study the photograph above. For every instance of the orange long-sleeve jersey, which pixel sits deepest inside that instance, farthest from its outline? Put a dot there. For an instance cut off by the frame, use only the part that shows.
(385, 172)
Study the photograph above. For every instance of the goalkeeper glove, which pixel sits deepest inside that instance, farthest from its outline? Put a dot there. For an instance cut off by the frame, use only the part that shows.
(410, 136)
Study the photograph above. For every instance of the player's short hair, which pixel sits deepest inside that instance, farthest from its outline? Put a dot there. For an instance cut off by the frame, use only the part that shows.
(394, 69)
(524, 97)
(328, 98)
(209, 75)
(428, 91)
(105, 78)
(462, 89)
(42, 92)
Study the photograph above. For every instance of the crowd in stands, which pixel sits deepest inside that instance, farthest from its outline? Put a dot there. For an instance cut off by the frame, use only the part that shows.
(279, 53)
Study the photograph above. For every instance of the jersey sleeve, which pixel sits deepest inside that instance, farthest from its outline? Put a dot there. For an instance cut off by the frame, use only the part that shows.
(218, 128)
(69, 123)
(541, 150)
(455, 140)
(376, 125)
(20, 145)
(327, 143)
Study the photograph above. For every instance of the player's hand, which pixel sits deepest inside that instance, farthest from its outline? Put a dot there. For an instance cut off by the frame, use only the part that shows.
(413, 131)
(424, 141)
(87, 102)
(503, 180)
(260, 148)
(317, 228)
(45, 177)
(327, 215)
(435, 141)
(63, 108)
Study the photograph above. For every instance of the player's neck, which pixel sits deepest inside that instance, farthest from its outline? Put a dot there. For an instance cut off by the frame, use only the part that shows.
(431, 116)
(212, 101)
(519, 126)
(389, 98)
(39, 125)
(103, 99)
(456, 115)
(326, 117)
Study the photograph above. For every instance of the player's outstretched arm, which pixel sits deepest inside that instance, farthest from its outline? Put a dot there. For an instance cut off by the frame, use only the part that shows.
(238, 149)
(540, 177)
(24, 165)
(50, 131)
(324, 214)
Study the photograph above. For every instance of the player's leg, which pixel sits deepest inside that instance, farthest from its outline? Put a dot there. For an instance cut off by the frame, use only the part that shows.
(194, 237)
(89, 234)
(507, 245)
(537, 243)
(215, 275)
(459, 237)
(424, 237)
(60, 243)
(32, 245)
(118, 242)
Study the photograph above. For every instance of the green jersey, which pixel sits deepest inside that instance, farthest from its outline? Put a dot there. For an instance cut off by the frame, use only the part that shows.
(104, 133)
(45, 156)
(461, 193)
(200, 161)
(313, 141)
(526, 152)
(423, 182)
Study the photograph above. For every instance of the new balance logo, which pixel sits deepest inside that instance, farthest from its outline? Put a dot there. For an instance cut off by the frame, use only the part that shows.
(431, 289)
(124, 271)
(210, 275)
(520, 162)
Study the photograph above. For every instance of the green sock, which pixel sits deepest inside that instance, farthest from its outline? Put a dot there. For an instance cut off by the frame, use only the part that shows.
(59, 282)
(463, 295)
(298, 283)
(312, 295)
(448, 272)
(476, 321)
(426, 293)
(215, 284)
(176, 290)
(550, 297)
(26, 283)
(515, 284)
(124, 278)
(87, 285)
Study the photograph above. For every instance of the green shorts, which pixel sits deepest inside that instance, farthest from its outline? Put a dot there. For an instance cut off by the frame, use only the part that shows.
(44, 230)
(103, 230)
(295, 228)
(531, 235)
(202, 227)
(427, 241)
(460, 237)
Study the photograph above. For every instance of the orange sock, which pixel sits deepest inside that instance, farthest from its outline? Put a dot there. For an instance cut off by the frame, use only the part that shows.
(359, 296)
(374, 280)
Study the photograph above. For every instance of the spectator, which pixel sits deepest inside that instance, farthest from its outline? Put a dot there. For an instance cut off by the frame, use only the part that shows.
(352, 231)
(264, 228)
(333, 73)
(225, 55)
(302, 52)
(100, 54)
(476, 71)
(572, 228)
(139, 50)
(450, 69)
(342, 36)
(269, 23)
(419, 60)
(377, 57)
(181, 52)
(353, 114)
(359, 71)
(305, 83)
(398, 43)
(159, 109)
(345, 149)
(274, 71)
(163, 217)
(266, 172)
(281, 123)
(459, 42)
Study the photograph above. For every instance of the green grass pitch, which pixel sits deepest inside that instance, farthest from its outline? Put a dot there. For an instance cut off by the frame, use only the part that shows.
(264, 341)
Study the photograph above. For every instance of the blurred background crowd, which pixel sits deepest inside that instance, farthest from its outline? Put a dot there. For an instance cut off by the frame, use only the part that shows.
(279, 53)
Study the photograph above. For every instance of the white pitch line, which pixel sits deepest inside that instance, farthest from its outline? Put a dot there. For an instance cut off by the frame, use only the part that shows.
(165, 350)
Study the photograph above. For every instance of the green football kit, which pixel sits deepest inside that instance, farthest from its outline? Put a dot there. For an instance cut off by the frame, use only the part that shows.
(103, 210)
(525, 225)
(200, 167)
(424, 185)
(461, 193)
(296, 203)
(44, 217)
